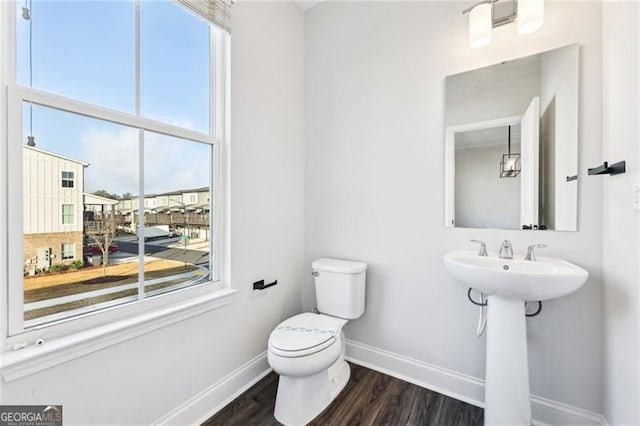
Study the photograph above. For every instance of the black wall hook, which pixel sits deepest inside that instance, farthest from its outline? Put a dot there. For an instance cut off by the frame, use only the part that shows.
(606, 169)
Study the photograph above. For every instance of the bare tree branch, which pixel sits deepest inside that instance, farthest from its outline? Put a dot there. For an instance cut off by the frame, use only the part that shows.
(102, 232)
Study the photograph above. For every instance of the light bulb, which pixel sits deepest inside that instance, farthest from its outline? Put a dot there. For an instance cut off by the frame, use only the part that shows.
(480, 25)
(530, 16)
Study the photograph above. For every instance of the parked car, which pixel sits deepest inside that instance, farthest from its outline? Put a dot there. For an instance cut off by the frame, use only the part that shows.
(95, 249)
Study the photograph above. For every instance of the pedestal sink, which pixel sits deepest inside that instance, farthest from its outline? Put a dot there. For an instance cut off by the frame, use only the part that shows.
(509, 283)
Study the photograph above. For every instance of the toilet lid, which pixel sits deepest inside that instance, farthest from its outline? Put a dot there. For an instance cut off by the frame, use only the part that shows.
(304, 331)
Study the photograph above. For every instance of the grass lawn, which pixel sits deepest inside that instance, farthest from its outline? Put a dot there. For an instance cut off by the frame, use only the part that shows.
(95, 272)
(37, 313)
(49, 286)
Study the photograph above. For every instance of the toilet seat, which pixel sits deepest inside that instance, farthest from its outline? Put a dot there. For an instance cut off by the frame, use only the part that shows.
(305, 334)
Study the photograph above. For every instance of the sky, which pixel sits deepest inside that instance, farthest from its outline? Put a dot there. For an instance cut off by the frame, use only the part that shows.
(86, 50)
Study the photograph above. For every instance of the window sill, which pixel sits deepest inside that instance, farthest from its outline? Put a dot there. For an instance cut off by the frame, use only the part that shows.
(30, 360)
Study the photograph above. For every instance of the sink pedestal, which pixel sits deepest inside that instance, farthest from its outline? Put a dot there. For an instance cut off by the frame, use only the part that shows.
(508, 283)
(507, 369)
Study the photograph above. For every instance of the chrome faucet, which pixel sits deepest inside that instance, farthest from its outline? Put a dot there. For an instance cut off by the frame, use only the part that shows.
(531, 251)
(483, 247)
(506, 250)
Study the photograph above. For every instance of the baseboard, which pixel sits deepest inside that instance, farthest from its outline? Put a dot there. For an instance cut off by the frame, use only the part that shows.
(548, 412)
(460, 386)
(447, 382)
(205, 404)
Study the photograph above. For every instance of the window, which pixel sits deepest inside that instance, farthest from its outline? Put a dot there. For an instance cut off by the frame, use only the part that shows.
(107, 104)
(68, 251)
(191, 198)
(68, 211)
(162, 201)
(101, 36)
(67, 179)
(183, 55)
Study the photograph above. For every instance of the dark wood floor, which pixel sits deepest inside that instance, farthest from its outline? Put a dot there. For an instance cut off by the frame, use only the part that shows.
(370, 398)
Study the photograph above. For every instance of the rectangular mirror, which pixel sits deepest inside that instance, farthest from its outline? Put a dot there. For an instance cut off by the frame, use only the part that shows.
(511, 144)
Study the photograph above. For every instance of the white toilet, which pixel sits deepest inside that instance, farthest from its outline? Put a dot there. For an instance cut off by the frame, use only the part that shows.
(307, 350)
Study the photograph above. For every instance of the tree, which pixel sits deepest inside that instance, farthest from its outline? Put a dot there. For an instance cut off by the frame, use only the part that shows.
(102, 232)
(106, 194)
(103, 239)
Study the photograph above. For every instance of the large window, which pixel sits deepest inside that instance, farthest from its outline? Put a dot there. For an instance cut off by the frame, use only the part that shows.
(113, 153)
(68, 214)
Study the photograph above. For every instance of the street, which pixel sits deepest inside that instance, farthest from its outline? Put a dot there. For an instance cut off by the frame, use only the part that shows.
(195, 257)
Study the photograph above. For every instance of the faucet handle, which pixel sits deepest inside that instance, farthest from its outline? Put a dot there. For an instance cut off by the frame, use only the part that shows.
(483, 247)
(531, 255)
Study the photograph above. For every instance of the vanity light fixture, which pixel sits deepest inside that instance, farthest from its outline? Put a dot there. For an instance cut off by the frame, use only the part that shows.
(530, 16)
(480, 24)
(527, 14)
(510, 165)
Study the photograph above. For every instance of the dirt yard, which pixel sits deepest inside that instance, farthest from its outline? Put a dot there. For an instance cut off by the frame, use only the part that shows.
(93, 272)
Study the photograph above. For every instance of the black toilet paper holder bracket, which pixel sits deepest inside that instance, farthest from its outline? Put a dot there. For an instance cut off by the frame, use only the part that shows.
(260, 285)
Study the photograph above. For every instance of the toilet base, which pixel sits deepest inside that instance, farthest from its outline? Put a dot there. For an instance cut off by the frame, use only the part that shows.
(301, 399)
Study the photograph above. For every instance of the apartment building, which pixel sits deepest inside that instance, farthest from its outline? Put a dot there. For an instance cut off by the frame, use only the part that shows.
(53, 188)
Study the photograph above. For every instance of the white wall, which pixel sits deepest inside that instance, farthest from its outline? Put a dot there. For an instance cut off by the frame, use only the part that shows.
(139, 381)
(621, 45)
(483, 199)
(374, 108)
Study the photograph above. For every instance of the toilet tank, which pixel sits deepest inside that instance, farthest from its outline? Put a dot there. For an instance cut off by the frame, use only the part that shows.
(340, 286)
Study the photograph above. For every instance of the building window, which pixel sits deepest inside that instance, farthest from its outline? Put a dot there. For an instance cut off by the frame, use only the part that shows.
(68, 251)
(68, 213)
(148, 126)
(67, 179)
(162, 201)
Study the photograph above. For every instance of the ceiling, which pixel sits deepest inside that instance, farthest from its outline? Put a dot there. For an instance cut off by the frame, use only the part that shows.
(305, 5)
(488, 137)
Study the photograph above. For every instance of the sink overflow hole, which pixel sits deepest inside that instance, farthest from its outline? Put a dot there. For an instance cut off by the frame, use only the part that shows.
(505, 267)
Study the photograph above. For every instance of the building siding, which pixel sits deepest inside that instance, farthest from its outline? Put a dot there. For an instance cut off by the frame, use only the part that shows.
(52, 241)
(43, 198)
(43, 194)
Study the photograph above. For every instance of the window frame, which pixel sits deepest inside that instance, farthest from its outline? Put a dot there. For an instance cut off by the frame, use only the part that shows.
(73, 255)
(62, 214)
(144, 313)
(72, 179)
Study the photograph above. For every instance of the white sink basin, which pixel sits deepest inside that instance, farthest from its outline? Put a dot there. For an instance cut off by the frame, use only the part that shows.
(509, 283)
(543, 279)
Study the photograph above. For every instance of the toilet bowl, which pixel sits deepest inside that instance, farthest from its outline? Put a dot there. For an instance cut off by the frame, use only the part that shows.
(307, 350)
(305, 344)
